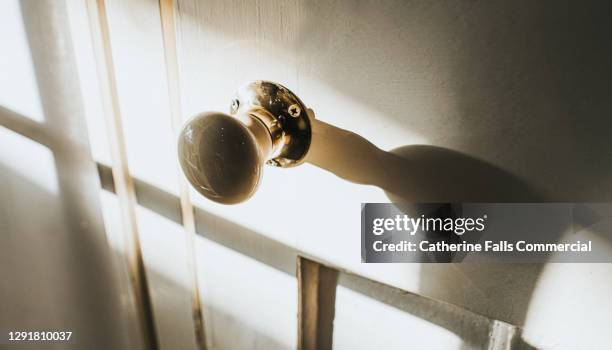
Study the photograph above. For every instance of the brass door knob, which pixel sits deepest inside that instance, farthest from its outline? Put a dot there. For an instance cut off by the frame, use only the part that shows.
(223, 155)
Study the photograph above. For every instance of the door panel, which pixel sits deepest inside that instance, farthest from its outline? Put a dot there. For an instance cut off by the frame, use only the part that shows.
(56, 268)
(498, 83)
(481, 79)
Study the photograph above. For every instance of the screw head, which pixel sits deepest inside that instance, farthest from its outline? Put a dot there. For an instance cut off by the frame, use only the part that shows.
(273, 162)
(294, 110)
(235, 105)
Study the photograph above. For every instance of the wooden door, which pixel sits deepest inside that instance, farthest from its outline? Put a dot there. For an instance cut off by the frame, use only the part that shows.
(477, 85)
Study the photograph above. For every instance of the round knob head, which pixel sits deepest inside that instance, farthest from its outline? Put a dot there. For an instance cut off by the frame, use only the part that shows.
(220, 157)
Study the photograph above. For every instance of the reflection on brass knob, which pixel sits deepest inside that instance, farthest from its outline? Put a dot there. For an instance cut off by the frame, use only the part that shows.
(222, 155)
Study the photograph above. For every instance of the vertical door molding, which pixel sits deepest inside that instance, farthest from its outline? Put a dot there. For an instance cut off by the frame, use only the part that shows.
(124, 185)
(167, 17)
(316, 304)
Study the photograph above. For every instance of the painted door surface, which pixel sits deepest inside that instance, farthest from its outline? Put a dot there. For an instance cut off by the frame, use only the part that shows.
(55, 264)
(516, 88)
(469, 93)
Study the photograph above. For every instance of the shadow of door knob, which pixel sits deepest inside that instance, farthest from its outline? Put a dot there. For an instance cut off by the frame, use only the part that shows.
(223, 155)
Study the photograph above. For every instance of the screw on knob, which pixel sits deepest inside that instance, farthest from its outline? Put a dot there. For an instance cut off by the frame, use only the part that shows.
(221, 157)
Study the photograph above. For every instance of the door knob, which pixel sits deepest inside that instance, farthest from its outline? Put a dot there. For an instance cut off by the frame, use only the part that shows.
(222, 155)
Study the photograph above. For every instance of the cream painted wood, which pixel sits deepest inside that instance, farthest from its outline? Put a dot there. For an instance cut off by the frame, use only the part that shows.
(121, 174)
(136, 43)
(496, 81)
(168, 26)
(55, 262)
(316, 304)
